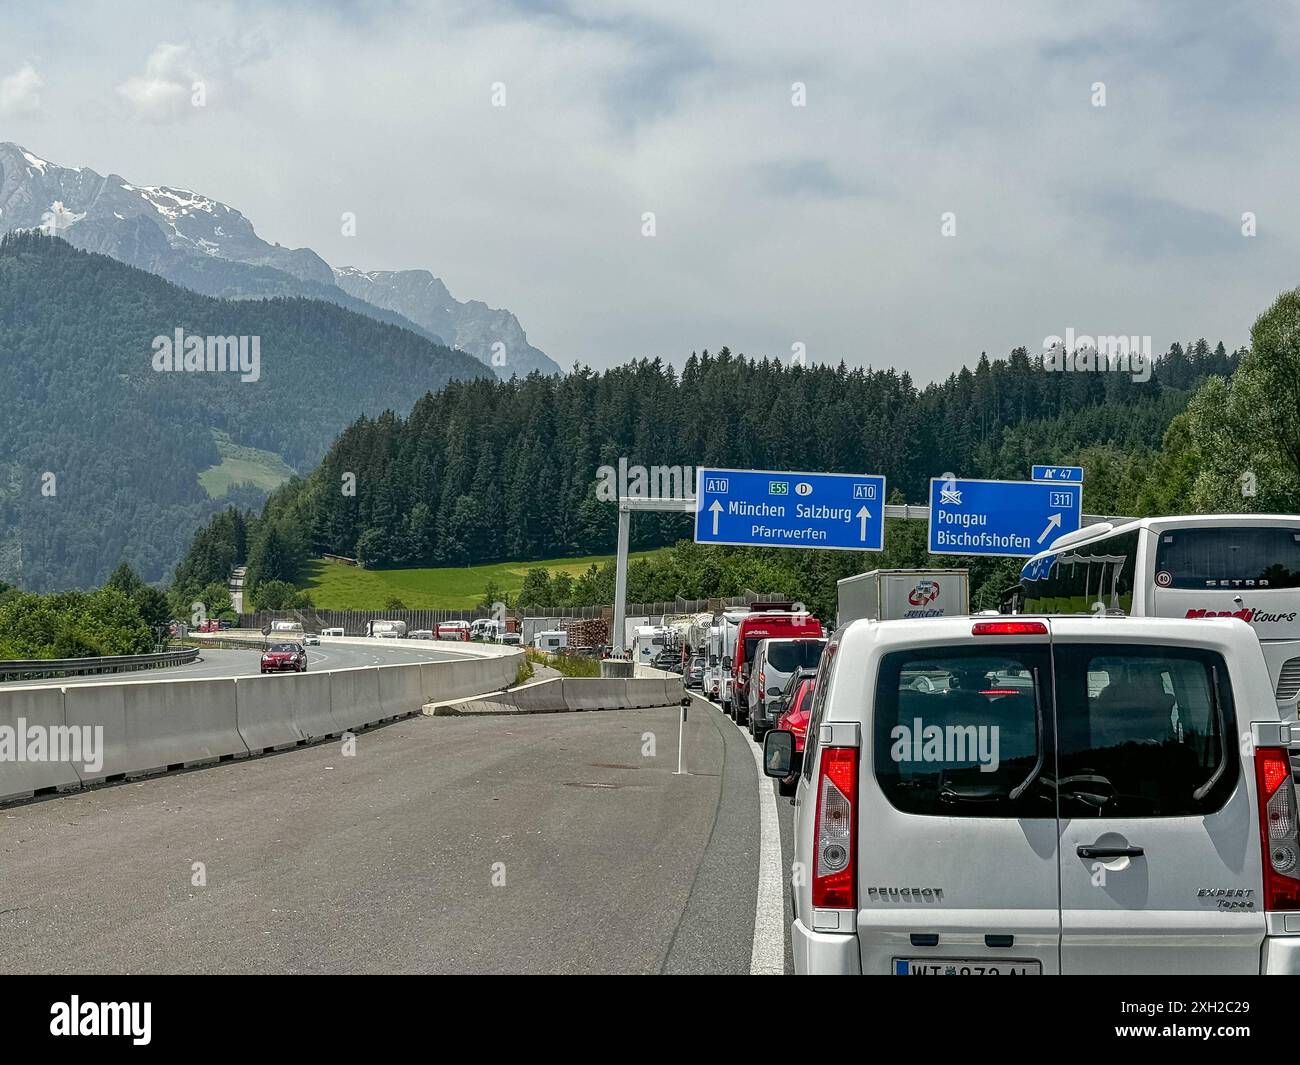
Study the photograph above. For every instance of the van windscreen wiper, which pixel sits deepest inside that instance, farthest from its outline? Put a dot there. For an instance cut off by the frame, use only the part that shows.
(1204, 789)
(1019, 789)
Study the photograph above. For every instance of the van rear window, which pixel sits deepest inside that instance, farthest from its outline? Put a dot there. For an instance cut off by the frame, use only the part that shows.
(1112, 731)
(962, 732)
(1141, 731)
(801, 654)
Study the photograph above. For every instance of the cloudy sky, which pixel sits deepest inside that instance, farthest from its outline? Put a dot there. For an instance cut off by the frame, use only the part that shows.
(775, 224)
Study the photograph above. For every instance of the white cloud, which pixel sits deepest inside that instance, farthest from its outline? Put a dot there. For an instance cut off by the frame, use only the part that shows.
(20, 92)
(776, 223)
(167, 86)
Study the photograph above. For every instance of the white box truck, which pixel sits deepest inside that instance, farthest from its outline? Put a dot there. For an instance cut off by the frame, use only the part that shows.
(894, 594)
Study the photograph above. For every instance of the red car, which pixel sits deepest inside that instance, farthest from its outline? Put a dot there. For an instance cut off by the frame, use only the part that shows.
(795, 719)
(284, 658)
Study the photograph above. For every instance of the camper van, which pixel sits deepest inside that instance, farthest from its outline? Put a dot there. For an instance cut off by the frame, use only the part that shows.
(647, 642)
(551, 640)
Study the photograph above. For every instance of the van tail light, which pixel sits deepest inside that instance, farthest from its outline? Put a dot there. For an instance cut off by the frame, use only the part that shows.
(834, 862)
(1008, 628)
(1279, 838)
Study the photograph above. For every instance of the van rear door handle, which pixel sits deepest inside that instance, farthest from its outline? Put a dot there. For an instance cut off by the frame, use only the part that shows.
(1085, 851)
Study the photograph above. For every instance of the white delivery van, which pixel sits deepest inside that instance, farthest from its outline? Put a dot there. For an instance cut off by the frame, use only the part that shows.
(1044, 795)
(893, 594)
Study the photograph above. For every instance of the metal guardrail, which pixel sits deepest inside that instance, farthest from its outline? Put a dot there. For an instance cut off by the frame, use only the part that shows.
(36, 669)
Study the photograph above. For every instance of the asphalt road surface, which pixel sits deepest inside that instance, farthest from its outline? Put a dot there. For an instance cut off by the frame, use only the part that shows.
(214, 663)
(553, 843)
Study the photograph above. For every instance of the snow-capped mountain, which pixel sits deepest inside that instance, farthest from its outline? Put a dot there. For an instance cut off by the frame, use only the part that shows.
(474, 326)
(207, 246)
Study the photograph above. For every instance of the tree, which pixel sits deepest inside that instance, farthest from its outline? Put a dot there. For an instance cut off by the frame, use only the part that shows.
(275, 595)
(537, 588)
(124, 580)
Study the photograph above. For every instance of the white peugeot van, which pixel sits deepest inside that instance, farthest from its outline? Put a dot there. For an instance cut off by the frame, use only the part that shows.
(994, 796)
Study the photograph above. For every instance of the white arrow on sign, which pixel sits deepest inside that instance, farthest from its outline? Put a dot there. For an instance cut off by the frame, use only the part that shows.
(1054, 522)
(863, 515)
(716, 509)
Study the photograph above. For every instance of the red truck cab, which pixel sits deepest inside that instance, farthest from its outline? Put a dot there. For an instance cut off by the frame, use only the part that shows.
(763, 626)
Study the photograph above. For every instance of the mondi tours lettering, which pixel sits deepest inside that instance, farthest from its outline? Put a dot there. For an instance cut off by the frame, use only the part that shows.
(1086, 354)
(103, 1018)
(1248, 614)
(208, 354)
(80, 744)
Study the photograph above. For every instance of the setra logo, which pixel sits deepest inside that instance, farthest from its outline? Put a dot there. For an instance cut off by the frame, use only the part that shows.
(924, 593)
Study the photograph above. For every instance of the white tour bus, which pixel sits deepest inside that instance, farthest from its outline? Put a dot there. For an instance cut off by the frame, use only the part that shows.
(1203, 566)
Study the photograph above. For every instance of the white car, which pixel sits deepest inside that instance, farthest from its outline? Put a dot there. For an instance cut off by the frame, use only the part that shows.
(1065, 794)
(311, 640)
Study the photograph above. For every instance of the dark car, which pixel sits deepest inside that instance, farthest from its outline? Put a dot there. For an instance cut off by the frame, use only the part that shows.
(695, 672)
(669, 661)
(284, 658)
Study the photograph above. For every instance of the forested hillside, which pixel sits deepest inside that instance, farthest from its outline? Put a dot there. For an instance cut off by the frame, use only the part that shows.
(490, 470)
(100, 454)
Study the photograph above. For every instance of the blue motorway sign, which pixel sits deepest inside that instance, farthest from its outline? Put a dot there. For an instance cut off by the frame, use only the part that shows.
(764, 508)
(1012, 518)
(1057, 473)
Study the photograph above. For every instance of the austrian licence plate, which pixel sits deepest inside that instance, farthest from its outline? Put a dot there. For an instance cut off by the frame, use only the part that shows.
(966, 967)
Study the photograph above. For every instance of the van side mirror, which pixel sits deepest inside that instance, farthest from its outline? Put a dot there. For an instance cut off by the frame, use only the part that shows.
(778, 753)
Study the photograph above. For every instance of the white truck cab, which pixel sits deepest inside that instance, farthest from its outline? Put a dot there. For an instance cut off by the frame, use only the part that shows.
(992, 796)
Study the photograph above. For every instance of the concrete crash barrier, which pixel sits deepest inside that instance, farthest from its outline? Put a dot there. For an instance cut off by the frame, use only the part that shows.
(543, 697)
(443, 682)
(615, 668)
(574, 694)
(152, 727)
(354, 698)
(589, 693)
(283, 710)
(401, 690)
(32, 725)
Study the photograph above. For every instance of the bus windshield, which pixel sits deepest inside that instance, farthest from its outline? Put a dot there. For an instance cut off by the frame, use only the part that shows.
(1227, 557)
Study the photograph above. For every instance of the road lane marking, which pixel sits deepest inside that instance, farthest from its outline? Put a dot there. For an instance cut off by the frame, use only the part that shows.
(768, 956)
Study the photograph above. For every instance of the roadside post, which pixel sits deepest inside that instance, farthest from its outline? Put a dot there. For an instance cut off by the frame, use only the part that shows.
(681, 735)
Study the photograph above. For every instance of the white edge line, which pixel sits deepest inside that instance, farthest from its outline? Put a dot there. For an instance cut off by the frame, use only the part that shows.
(768, 956)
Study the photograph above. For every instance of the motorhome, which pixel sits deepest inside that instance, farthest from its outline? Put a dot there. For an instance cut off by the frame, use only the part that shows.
(551, 640)
(730, 626)
(647, 642)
